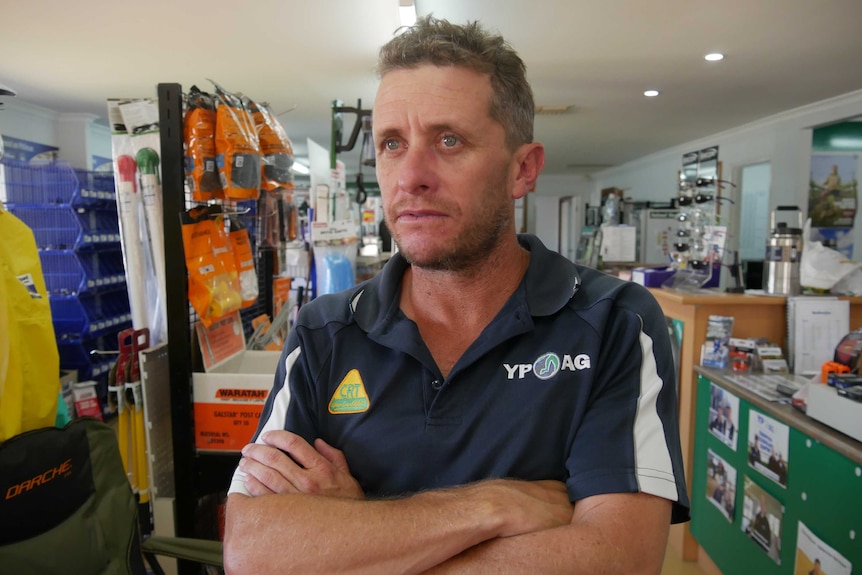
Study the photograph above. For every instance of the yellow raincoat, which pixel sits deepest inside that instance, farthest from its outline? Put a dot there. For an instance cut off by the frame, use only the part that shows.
(29, 361)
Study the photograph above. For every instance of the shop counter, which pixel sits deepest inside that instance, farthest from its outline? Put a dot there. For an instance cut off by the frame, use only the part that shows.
(751, 454)
(754, 316)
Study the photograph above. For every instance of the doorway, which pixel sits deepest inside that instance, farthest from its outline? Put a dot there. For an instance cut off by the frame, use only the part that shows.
(753, 217)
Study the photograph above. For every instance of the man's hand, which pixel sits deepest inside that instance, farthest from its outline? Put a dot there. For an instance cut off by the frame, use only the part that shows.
(529, 505)
(286, 463)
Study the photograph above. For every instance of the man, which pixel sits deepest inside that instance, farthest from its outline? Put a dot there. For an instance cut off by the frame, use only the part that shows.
(761, 531)
(482, 404)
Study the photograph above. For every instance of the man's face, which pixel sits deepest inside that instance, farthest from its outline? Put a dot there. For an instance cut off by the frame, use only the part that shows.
(445, 173)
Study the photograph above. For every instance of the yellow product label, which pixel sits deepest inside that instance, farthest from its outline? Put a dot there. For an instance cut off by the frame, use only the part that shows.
(350, 395)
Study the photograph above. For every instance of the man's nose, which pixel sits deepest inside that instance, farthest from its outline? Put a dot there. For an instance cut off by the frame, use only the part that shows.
(417, 171)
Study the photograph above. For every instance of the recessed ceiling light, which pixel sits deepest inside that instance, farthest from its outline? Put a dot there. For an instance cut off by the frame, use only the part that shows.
(651, 93)
(714, 57)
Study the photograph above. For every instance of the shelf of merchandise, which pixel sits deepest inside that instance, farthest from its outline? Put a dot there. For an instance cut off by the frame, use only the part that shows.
(199, 478)
(73, 217)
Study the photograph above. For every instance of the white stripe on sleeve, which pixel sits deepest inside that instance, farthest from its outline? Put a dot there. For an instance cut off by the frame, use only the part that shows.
(652, 458)
(276, 419)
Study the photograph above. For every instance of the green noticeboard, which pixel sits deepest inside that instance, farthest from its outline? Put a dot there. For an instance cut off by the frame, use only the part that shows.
(811, 495)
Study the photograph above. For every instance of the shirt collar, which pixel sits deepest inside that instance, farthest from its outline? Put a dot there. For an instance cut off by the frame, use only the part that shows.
(549, 283)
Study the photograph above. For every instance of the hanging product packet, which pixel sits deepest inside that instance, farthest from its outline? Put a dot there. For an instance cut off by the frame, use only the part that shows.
(244, 261)
(275, 147)
(237, 147)
(199, 125)
(213, 282)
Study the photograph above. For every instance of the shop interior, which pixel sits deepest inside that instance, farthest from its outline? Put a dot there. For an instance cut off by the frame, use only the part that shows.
(703, 151)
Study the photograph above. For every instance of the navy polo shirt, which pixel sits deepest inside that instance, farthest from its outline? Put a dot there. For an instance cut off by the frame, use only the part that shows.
(573, 380)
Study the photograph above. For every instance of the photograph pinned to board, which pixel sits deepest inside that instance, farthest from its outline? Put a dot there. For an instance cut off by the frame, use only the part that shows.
(815, 557)
(768, 442)
(723, 415)
(761, 519)
(721, 484)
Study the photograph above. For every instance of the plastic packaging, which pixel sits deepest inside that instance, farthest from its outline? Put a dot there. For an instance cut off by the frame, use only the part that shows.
(214, 289)
(244, 260)
(237, 147)
(199, 136)
(334, 255)
(275, 148)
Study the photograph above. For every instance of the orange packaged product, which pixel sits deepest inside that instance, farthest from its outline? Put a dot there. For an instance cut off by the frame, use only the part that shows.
(199, 137)
(276, 149)
(213, 282)
(237, 148)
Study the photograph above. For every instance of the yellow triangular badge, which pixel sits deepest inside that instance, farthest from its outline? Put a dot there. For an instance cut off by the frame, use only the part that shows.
(350, 395)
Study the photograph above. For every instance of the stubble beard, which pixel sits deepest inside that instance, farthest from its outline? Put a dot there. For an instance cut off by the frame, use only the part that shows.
(467, 249)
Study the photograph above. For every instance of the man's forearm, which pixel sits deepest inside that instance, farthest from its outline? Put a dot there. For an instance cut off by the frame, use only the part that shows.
(314, 534)
(623, 534)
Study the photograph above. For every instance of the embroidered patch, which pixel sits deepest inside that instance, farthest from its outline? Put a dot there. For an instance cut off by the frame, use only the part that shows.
(350, 395)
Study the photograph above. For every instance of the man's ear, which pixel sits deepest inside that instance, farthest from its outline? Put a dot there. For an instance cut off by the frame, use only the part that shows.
(530, 159)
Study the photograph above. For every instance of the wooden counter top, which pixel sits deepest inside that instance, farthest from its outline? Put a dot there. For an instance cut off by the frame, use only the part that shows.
(831, 438)
(718, 297)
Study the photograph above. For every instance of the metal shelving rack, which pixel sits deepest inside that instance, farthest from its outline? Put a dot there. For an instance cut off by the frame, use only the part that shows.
(196, 475)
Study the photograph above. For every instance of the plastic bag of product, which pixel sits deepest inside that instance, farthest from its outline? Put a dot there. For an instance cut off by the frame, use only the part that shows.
(276, 149)
(821, 267)
(244, 260)
(199, 135)
(237, 147)
(213, 283)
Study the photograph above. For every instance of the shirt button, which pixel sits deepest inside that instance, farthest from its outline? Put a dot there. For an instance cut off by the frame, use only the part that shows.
(437, 385)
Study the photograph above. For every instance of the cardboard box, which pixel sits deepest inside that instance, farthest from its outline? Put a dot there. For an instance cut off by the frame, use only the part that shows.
(229, 395)
(829, 408)
(229, 398)
(86, 399)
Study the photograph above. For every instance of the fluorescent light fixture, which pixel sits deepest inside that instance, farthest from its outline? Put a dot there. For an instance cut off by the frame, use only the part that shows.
(301, 169)
(651, 93)
(846, 143)
(407, 12)
(714, 57)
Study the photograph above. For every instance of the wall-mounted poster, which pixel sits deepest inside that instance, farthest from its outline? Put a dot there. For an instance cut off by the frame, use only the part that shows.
(721, 484)
(29, 152)
(815, 557)
(832, 190)
(761, 519)
(768, 442)
(723, 415)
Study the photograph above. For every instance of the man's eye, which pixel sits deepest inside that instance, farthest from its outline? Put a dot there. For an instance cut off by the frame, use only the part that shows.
(450, 141)
(391, 145)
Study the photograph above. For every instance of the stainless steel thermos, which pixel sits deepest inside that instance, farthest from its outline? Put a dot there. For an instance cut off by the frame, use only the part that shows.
(783, 255)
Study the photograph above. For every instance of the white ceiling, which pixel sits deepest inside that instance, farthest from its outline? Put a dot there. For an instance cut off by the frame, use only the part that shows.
(597, 56)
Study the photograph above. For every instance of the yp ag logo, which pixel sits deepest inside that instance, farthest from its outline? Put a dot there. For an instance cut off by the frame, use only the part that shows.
(547, 366)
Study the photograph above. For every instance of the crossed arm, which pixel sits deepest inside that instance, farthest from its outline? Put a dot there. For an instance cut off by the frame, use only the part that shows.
(307, 514)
